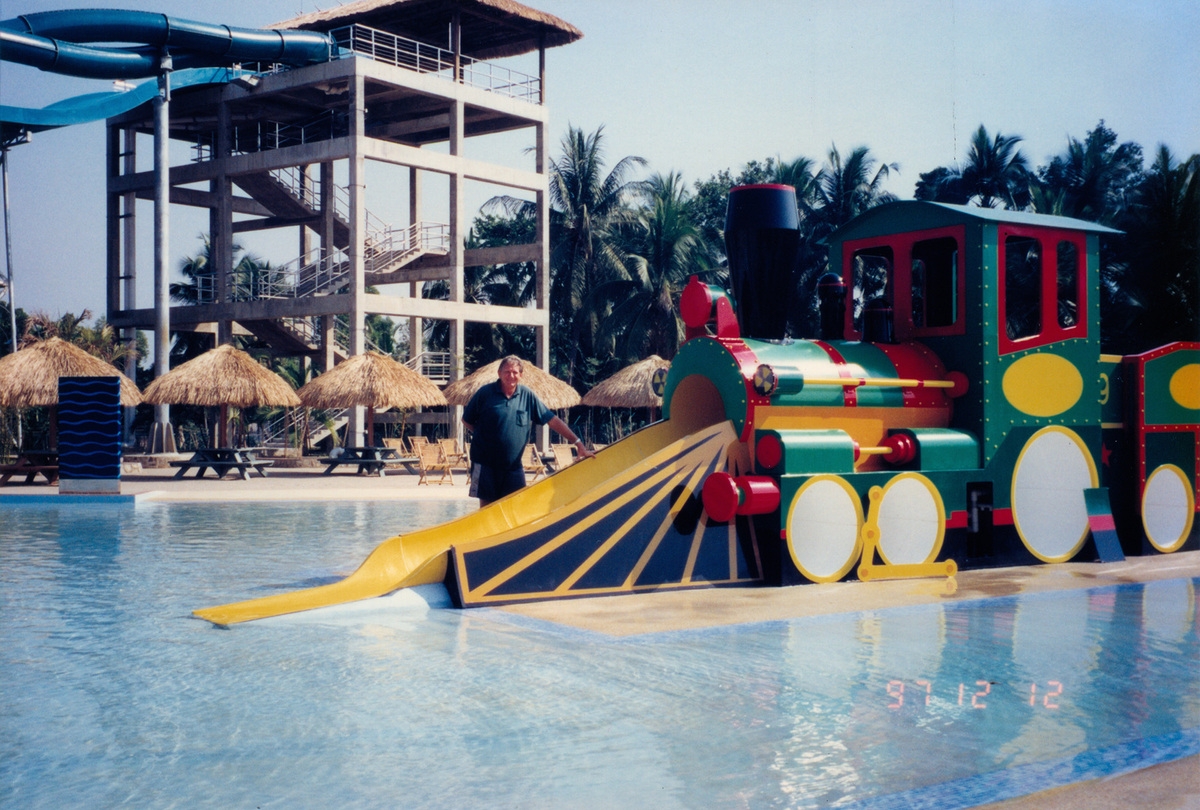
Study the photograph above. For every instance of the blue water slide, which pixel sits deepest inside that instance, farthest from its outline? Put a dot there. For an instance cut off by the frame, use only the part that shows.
(59, 42)
(99, 106)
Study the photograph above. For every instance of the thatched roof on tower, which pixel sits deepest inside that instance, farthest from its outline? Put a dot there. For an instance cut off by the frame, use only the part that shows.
(29, 377)
(490, 28)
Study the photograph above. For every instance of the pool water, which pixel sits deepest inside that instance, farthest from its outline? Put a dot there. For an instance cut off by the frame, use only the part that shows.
(114, 695)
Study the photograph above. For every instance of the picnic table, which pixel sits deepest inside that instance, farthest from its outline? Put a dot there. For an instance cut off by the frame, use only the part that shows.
(369, 460)
(31, 464)
(222, 460)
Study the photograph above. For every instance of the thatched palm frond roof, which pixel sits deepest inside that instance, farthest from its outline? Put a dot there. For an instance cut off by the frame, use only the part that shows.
(490, 28)
(29, 377)
(553, 392)
(221, 376)
(373, 380)
(631, 387)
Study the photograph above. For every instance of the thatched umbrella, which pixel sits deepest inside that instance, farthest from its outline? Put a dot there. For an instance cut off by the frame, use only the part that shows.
(553, 392)
(631, 387)
(373, 380)
(29, 377)
(222, 377)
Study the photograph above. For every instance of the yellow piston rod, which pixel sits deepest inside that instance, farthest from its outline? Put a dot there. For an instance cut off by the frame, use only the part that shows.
(856, 382)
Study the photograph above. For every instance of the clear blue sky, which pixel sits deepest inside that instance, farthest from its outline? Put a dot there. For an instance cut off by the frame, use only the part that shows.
(700, 86)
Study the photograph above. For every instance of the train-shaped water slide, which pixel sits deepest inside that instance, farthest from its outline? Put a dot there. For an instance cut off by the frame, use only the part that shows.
(956, 412)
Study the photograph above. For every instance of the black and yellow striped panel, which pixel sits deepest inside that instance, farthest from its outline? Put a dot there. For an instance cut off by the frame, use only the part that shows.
(643, 529)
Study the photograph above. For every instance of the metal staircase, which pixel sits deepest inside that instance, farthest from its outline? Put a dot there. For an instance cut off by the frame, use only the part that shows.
(288, 194)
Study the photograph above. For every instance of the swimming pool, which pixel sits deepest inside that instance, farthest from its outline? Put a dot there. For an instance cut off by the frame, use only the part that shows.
(113, 694)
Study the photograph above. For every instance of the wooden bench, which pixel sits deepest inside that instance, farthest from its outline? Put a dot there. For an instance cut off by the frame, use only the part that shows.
(369, 460)
(30, 471)
(31, 464)
(222, 461)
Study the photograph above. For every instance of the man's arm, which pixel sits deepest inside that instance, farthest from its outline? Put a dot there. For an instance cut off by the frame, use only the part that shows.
(560, 427)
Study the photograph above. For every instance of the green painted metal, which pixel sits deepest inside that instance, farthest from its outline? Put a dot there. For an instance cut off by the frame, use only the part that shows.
(942, 449)
(1162, 408)
(812, 451)
(708, 358)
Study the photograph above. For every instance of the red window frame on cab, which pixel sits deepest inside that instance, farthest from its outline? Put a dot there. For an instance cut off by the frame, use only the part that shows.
(1051, 330)
(900, 281)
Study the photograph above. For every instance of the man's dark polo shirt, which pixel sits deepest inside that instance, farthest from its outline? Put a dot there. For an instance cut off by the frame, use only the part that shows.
(502, 424)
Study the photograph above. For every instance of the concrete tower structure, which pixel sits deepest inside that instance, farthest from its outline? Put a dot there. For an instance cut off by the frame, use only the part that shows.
(297, 148)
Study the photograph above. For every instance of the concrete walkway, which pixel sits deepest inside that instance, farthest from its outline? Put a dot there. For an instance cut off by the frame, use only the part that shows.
(280, 484)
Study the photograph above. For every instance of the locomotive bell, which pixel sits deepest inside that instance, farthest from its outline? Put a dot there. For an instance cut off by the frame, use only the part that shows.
(762, 239)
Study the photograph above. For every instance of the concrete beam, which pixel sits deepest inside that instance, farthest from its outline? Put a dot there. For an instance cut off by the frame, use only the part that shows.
(401, 155)
(206, 199)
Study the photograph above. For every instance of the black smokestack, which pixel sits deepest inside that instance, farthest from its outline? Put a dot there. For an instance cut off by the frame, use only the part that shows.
(762, 238)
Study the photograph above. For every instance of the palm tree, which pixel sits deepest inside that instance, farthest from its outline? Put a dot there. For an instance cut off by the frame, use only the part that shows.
(847, 188)
(1093, 180)
(588, 209)
(1164, 236)
(995, 172)
(198, 272)
(664, 249)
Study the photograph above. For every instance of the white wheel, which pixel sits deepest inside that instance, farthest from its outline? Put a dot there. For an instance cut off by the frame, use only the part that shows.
(1168, 508)
(912, 520)
(823, 528)
(1052, 472)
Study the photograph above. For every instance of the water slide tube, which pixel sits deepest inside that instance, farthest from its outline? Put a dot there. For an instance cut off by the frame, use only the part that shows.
(51, 41)
(201, 53)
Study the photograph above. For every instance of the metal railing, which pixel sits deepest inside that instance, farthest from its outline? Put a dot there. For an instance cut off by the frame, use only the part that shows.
(259, 136)
(392, 246)
(308, 191)
(274, 432)
(422, 58)
(433, 365)
(321, 272)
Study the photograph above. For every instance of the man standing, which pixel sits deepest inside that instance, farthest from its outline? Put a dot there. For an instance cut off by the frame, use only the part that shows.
(501, 415)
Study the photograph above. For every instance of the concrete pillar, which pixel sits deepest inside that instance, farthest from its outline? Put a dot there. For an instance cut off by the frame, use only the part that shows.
(458, 237)
(162, 435)
(220, 223)
(416, 337)
(358, 232)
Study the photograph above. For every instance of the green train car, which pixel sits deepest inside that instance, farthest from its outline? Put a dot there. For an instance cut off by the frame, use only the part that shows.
(956, 402)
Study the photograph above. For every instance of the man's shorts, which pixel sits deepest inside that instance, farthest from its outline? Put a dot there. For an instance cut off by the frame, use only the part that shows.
(490, 484)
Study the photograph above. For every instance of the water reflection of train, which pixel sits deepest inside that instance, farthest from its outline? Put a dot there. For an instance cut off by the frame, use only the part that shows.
(958, 376)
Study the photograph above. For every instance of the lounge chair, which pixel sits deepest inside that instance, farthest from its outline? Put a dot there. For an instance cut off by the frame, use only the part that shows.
(564, 456)
(532, 462)
(432, 460)
(453, 452)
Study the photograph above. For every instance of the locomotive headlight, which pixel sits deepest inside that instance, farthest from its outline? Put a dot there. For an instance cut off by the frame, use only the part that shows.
(766, 381)
(658, 382)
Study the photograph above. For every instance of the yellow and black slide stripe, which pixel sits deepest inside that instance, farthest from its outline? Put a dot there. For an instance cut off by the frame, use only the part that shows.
(645, 530)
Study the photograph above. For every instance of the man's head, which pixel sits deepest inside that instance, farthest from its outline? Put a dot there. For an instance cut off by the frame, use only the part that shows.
(511, 371)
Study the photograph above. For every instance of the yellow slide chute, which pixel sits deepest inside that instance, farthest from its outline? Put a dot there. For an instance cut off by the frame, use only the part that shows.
(420, 558)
